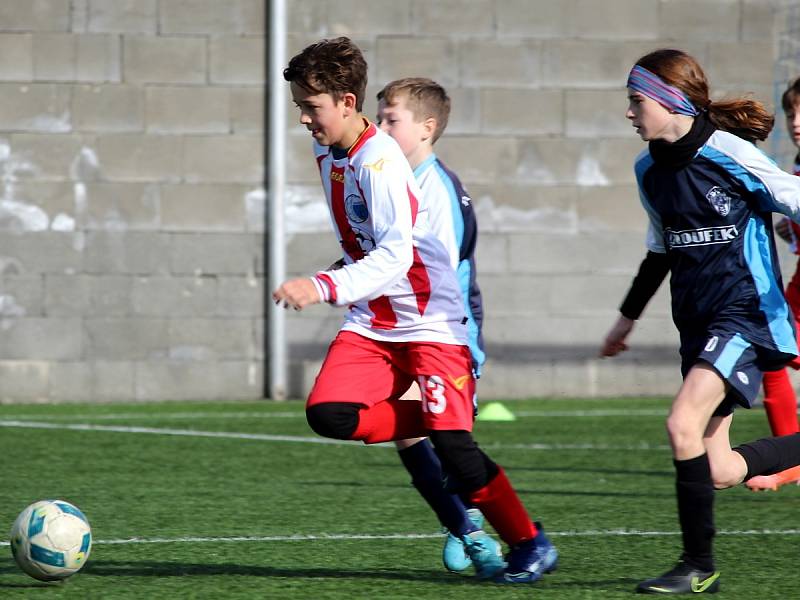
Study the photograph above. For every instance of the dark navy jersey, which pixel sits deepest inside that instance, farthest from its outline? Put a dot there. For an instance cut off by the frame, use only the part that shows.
(713, 219)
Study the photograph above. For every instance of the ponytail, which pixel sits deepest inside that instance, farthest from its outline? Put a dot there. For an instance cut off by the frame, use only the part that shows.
(743, 117)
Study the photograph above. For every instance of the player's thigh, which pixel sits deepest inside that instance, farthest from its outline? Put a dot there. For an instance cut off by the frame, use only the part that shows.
(444, 373)
(360, 370)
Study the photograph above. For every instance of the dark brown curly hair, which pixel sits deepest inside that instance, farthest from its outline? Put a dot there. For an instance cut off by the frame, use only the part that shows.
(334, 67)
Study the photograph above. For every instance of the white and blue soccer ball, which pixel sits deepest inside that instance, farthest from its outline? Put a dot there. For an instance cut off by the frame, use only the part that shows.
(51, 540)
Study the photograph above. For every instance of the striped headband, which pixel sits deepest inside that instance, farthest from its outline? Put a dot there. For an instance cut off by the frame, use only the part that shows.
(652, 86)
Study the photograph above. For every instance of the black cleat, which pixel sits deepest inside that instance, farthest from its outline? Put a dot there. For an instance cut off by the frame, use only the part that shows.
(683, 579)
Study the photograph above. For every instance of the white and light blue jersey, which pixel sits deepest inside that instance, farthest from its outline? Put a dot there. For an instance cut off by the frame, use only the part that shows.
(451, 218)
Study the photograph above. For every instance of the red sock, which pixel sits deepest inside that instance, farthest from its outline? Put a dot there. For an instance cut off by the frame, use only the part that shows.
(780, 402)
(390, 420)
(498, 501)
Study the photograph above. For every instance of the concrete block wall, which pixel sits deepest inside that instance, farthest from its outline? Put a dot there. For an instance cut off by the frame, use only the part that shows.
(132, 198)
(538, 136)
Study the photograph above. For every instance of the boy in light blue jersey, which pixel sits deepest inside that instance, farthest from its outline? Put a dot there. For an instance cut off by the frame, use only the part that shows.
(414, 111)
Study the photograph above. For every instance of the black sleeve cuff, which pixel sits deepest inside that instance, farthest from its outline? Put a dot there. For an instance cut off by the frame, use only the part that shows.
(652, 271)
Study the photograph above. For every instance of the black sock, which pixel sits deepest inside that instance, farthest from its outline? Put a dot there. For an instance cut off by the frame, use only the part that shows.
(770, 455)
(425, 468)
(696, 510)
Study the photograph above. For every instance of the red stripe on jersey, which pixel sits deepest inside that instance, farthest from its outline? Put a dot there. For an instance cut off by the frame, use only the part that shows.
(384, 315)
(795, 228)
(414, 205)
(362, 139)
(320, 158)
(349, 242)
(420, 282)
(331, 286)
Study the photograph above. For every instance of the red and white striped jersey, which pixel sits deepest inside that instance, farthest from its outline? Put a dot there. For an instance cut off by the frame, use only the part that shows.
(397, 277)
(794, 229)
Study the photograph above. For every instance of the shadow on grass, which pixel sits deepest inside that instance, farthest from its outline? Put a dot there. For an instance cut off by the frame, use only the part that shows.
(104, 568)
(571, 469)
(9, 567)
(176, 569)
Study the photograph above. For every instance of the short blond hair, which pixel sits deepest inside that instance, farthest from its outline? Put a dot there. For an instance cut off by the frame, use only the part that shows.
(424, 98)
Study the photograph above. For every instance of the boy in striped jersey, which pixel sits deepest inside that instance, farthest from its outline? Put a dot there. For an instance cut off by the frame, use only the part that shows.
(406, 319)
(414, 111)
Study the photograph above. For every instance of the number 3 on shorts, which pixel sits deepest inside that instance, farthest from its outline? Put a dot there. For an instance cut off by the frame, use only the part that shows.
(433, 398)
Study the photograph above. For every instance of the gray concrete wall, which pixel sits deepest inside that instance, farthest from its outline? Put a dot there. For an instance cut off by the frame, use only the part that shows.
(132, 203)
(131, 206)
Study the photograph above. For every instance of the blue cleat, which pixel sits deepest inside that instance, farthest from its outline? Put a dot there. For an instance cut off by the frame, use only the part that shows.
(454, 556)
(484, 552)
(531, 559)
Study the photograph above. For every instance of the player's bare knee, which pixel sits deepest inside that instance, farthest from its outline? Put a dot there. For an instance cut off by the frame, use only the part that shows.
(682, 436)
(337, 420)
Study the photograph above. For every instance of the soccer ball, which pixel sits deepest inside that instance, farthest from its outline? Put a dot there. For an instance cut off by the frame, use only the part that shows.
(51, 540)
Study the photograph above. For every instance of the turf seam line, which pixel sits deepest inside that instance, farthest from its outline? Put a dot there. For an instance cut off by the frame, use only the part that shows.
(415, 536)
(296, 439)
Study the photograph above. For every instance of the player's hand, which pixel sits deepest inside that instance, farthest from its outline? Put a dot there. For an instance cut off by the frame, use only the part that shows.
(297, 294)
(784, 229)
(615, 339)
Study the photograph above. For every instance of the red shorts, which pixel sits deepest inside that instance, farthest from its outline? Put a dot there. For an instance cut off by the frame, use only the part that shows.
(365, 371)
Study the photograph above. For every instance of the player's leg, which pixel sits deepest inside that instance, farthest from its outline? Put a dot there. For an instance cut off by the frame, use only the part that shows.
(780, 403)
(356, 394)
(702, 392)
(448, 385)
(425, 468)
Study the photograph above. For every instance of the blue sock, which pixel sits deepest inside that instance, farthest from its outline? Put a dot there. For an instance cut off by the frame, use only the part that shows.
(422, 463)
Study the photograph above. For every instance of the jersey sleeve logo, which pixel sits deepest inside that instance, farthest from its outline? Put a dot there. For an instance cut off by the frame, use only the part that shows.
(720, 201)
(377, 166)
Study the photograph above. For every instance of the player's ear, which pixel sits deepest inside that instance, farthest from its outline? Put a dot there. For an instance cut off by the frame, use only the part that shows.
(429, 126)
(349, 102)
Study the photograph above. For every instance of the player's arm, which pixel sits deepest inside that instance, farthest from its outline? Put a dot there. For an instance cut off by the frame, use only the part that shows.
(467, 277)
(783, 229)
(390, 202)
(652, 271)
(775, 189)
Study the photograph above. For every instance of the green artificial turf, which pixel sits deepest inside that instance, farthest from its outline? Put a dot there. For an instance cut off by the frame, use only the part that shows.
(236, 500)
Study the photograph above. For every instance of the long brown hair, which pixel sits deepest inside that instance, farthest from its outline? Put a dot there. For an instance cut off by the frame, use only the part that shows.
(744, 117)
